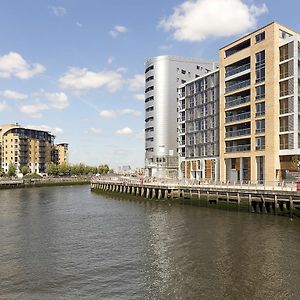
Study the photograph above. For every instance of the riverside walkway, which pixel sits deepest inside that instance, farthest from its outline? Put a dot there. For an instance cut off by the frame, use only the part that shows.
(271, 197)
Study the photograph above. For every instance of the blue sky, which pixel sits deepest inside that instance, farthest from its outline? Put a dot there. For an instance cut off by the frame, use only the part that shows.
(76, 67)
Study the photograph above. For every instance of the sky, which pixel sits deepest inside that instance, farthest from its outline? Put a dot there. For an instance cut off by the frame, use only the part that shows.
(76, 68)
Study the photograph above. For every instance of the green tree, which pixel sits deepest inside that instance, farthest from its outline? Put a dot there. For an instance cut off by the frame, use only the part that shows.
(103, 169)
(11, 170)
(52, 169)
(24, 170)
(64, 169)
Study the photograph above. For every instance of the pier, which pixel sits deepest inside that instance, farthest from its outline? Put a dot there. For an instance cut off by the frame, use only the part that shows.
(276, 199)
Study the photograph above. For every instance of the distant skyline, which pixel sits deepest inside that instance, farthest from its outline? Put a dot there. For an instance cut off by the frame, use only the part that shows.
(76, 68)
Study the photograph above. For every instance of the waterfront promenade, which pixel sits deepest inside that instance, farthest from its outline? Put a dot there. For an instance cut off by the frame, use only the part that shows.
(275, 197)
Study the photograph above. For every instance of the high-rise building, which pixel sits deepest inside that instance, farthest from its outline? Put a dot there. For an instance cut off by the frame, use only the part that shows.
(61, 153)
(198, 128)
(163, 75)
(25, 147)
(259, 105)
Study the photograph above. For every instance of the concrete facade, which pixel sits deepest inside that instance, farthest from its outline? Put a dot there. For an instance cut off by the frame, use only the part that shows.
(198, 128)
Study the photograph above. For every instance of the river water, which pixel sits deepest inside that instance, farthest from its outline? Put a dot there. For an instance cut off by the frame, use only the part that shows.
(69, 243)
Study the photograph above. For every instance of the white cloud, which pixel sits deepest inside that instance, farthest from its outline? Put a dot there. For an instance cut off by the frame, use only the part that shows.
(118, 29)
(34, 110)
(196, 20)
(96, 130)
(137, 82)
(139, 97)
(54, 130)
(124, 131)
(140, 135)
(14, 65)
(58, 11)
(84, 79)
(3, 106)
(110, 60)
(78, 24)
(9, 94)
(57, 100)
(108, 114)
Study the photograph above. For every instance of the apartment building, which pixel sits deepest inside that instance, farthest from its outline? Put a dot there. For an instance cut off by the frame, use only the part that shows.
(198, 128)
(259, 106)
(163, 75)
(61, 153)
(25, 147)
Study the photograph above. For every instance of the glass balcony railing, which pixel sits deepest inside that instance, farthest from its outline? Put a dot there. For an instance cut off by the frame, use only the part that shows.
(237, 101)
(238, 148)
(234, 118)
(239, 132)
(238, 70)
(237, 85)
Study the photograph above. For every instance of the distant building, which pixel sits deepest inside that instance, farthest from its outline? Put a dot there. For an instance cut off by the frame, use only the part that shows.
(25, 147)
(61, 153)
(163, 75)
(198, 128)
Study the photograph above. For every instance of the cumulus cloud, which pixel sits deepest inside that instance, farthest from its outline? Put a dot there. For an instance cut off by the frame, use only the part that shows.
(137, 82)
(196, 20)
(139, 97)
(9, 94)
(124, 131)
(84, 79)
(34, 110)
(108, 114)
(58, 11)
(14, 65)
(54, 130)
(165, 47)
(57, 100)
(117, 30)
(3, 106)
(96, 130)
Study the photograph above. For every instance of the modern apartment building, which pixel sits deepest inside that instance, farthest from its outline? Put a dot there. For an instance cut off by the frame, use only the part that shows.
(61, 153)
(25, 147)
(163, 75)
(198, 128)
(259, 105)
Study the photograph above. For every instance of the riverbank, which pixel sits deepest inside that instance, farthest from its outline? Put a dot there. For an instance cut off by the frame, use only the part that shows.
(39, 182)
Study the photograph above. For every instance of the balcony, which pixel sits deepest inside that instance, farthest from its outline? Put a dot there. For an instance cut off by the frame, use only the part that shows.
(240, 132)
(238, 117)
(238, 70)
(237, 101)
(260, 113)
(237, 86)
(238, 148)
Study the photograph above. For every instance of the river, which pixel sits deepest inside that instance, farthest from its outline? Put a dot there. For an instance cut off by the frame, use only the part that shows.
(69, 243)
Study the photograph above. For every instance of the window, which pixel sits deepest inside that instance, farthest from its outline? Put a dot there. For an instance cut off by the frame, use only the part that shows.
(260, 143)
(183, 81)
(260, 37)
(150, 88)
(183, 71)
(284, 34)
(260, 126)
(260, 109)
(260, 66)
(149, 69)
(260, 92)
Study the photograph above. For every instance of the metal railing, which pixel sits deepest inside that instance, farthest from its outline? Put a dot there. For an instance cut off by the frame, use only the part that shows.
(238, 70)
(279, 185)
(237, 101)
(239, 132)
(238, 148)
(237, 86)
(238, 117)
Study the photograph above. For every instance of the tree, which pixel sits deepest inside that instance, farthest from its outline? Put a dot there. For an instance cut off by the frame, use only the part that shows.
(24, 170)
(11, 170)
(103, 169)
(52, 169)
